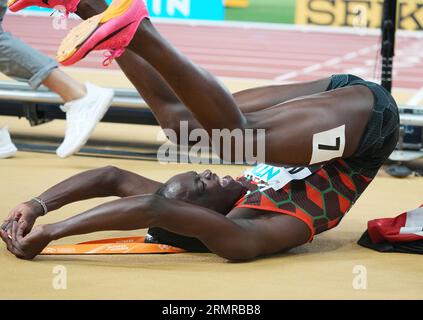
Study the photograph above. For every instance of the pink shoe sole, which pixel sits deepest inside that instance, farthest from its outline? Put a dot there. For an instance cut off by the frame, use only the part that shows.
(112, 30)
(17, 5)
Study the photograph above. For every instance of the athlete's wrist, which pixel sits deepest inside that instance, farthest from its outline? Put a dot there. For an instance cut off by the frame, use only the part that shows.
(36, 208)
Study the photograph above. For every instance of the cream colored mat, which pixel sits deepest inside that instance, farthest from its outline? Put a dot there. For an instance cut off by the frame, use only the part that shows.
(323, 269)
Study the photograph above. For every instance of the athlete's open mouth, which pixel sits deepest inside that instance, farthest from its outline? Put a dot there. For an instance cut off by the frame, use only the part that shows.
(225, 181)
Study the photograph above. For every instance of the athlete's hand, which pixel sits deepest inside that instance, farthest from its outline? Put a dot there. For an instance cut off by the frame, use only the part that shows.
(26, 212)
(29, 246)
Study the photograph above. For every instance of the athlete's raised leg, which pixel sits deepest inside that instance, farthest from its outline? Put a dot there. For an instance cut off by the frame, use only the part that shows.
(208, 99)
(316, 128)
(291, 126)
(255, 99)
(113, 29)
(165, 105)
(168, 108)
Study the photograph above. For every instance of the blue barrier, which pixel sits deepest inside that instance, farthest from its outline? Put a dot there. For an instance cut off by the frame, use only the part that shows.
(180, 9)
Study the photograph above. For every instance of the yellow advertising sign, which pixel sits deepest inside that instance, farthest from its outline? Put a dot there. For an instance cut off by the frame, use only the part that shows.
(237, 3)
(357, 13)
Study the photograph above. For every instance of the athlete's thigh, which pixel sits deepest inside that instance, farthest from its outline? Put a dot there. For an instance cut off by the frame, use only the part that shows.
(256, 99)
(316, 128)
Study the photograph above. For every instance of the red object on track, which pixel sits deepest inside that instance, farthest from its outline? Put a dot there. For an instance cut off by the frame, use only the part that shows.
(408, 226)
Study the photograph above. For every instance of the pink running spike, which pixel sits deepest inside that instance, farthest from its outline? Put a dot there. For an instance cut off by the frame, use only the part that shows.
(69, 5)
(112, 30)
(111, 55)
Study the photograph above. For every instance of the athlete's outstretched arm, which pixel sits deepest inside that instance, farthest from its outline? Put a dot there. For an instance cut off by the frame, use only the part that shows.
(237, 239)
(103, 182)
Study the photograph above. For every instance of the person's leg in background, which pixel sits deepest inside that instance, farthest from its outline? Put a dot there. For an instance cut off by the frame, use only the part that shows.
(87, 103)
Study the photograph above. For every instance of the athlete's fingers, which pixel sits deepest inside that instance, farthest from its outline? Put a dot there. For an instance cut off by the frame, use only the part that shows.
(6, 240)
(21, 229)
(19, 246)
(13, 215)
(14, 230)
(6, 225)
(7, 221)
(17, 249)
(3, 236)
(9, 230)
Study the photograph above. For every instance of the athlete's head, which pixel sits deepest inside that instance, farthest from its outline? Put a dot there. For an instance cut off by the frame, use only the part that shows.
(206, 189)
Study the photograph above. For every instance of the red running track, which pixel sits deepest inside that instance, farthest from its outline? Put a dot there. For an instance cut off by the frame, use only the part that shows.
(255, 53)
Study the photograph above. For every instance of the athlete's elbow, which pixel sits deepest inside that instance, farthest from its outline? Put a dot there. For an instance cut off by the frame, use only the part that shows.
(111, 172)
(239, 256)
(152, 205)
(115, 180)
(238, 252)
(107, 177)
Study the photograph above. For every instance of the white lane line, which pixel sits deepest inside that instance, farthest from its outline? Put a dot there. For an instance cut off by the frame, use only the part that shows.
(331, 62)
(313, 68)
(287, 76)
(364, 51)
(351, 55)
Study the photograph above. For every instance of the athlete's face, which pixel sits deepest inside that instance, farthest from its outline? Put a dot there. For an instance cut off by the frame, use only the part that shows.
(206, 189)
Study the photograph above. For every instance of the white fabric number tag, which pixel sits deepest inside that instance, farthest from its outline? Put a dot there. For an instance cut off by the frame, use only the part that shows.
(277, 177)
(328, 145)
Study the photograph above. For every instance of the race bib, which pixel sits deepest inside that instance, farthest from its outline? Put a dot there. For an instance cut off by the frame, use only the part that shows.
(277, 177)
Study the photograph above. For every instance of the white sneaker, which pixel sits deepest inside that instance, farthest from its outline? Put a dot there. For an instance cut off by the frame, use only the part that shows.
(7, 148)
(82, 116)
